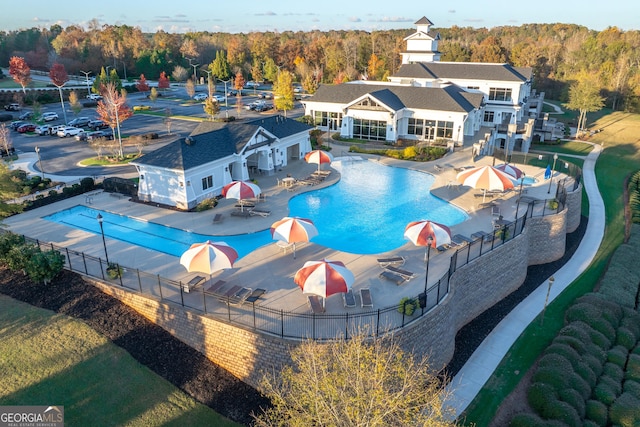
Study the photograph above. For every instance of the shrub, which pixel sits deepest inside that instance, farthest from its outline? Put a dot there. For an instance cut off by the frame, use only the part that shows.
(44, 266)
(607, 390)
(632, 371)
(594, 363)
(407, 306)
(625, 338)
(577, 383)
(7, 242)
(18, 256)
(87, 184)
(555, 377)
(206, 205)
(573, 398)
(149, 136)
(597, 412)
(625, 411)
(573, 342)
(589, 423)
(564, 350)
(586, 373)
(409, 152)
(618, 355)
(613, 371)
(114, 271)
(538, 394)
(631, 321)
(554, 359)
(632, 387)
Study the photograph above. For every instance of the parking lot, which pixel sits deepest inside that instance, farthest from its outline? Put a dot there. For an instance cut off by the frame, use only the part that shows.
(61, 156)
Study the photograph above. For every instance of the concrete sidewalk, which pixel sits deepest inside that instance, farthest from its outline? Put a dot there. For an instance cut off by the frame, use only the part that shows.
(476, 372)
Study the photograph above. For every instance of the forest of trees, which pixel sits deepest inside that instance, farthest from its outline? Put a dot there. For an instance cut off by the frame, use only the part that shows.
(560, 54)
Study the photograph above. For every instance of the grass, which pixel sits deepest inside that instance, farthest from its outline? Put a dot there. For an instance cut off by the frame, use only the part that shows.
(8, 83)
(104, 161)
(620, 158)
(50, 359)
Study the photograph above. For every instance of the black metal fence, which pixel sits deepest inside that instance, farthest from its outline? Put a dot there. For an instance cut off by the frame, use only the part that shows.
(290, 324)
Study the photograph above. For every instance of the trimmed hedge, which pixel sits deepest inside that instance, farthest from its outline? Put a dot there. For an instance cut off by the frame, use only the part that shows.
(575, 399)
(632, 387)
(625, 411)
(618, 355)
(632, 371)
(607, 390)
(597, 412)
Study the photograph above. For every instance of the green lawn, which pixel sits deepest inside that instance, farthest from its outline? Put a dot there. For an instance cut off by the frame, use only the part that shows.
(620, 137)
(51, 359)
(8, 83)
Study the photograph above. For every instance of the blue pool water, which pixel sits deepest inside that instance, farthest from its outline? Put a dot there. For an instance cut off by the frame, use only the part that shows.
(364, 213)
(526, 180)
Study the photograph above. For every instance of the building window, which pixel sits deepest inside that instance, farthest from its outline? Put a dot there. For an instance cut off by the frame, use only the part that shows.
(324, 119)
(373, 130)
(473, 87)
(499, 94)
(207, 182)
(488, 116)
(445, 130)
(424, 129)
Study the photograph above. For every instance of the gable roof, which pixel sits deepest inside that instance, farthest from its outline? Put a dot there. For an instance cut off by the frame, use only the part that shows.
(450, 98)
(211, 141)
(465, 70)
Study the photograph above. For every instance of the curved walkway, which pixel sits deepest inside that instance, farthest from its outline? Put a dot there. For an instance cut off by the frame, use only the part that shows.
(476, 372)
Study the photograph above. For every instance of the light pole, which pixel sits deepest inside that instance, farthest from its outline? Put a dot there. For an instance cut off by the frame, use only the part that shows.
(86, 75)
(195, 81)
(553, 168)
(519, 195)
(104, 243)
(546, 300)
(39, 161)
(226, 95)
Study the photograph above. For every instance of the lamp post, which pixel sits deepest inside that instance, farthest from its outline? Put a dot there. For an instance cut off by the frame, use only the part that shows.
(195, 82)
(553, 168)
(226, 95)
(519, 195)
(426, 277)
(86, 75)
(546, 300)
(104, 243)
(39, 161)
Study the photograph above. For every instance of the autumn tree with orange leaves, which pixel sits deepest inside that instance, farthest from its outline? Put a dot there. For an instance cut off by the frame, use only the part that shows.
(20, 72)
(113, 110)
(163, 81)
(59, 78)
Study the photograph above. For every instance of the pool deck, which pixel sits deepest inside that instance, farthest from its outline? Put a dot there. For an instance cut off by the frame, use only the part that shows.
(269, 267)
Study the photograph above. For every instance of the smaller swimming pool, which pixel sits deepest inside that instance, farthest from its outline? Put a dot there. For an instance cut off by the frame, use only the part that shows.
(526, 180)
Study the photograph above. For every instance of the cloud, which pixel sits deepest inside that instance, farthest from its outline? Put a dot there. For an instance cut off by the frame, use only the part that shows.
(268, 13)
(451, 11)
(40, 20)
(354, 19)
(393, 19)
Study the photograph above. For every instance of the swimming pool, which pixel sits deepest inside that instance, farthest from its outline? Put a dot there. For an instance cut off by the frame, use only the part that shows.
(363, 213)
(526, 180)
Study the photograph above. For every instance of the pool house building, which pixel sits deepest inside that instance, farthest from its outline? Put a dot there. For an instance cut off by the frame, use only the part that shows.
(489, 104)
(189, 170)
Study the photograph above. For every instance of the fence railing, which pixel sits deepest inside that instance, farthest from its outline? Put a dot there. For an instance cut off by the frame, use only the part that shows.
(288, 324)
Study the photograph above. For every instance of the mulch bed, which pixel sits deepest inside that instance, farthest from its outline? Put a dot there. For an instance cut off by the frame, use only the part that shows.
(164, 354)
(148, 343)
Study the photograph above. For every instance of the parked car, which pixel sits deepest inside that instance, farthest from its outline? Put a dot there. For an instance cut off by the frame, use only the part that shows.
(263, 107)
(54, 129)
(49, 116)
(232, 93)
(68, 131)
(251, 84)
(141, 107)
(79, 122)
(253, 105)
(43, 130)
(13, 107)
(220, 98)
(265, 95)
(94, 97)
(200, 96)
(28, 115)
(92, 136)
(97, 125)
(14, 125)
(27, 127)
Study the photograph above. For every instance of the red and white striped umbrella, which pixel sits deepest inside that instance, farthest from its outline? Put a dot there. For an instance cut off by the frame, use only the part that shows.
(292, 230)
(510, 170)
(324, 278)
(485, 178)
(419, 232)
(319, 157)
(208, 257)
(241, 190)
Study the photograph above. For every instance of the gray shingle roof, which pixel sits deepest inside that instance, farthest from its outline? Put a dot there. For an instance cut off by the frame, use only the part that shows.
(465, 70)
(211, 141)
(451, 98)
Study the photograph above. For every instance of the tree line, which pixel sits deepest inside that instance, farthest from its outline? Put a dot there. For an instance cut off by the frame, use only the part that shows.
(560, 54)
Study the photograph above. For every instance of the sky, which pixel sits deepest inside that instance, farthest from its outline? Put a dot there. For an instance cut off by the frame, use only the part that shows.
(287, 15)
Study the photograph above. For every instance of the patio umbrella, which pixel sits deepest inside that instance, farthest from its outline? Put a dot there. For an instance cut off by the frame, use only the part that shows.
(292, 230)
(241, 190)
(208, 257)
(319, 157)
(324, 278)
(429, 234)
(510, 170)
(485, 178)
